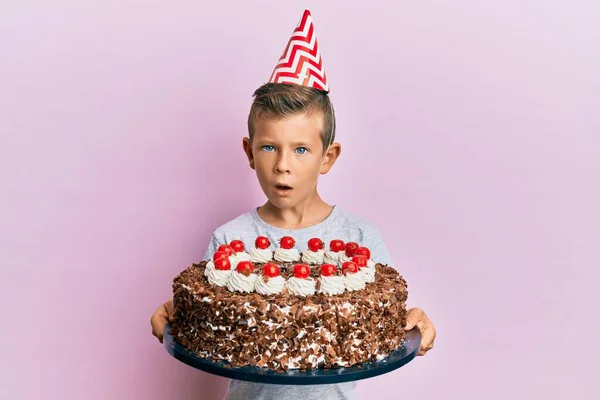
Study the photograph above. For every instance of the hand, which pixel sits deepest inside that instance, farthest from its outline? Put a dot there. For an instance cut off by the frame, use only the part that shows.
(417, 317)
(159, 319)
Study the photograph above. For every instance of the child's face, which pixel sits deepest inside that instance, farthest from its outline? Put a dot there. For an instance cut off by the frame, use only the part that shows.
(288, 157)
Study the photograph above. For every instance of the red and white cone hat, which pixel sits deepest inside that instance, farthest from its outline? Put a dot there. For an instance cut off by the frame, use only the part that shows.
(301, 62)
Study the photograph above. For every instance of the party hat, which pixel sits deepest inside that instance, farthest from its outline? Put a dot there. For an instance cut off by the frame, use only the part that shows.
(301, 62)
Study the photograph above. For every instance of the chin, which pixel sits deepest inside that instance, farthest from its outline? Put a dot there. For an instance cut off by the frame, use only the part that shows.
(282, 202)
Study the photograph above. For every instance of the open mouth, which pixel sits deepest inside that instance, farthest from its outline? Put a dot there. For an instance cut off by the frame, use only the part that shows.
(283, 188)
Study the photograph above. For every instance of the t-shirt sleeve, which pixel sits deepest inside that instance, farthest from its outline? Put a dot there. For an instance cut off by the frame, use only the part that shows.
(213, 245)
(379, 251)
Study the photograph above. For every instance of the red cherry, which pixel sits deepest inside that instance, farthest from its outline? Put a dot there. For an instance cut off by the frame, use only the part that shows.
(363, 251)
(351, 248)
(244, 266)
(328, 269)
(220, 254)
(361, 261)
(336, 245)
(301, 271)
(226, 248)
(262, 242)
(349, 267)
(222, 264)
(237, 245)
(271, 270)
(287, 242)
(315, 244)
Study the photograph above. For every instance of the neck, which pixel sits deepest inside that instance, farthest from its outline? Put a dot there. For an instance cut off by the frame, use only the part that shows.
(307, 213)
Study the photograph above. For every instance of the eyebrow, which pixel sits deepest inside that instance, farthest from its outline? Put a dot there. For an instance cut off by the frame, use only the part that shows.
(294, 144)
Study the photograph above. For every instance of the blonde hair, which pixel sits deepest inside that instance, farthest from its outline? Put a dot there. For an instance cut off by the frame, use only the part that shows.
(278, 100)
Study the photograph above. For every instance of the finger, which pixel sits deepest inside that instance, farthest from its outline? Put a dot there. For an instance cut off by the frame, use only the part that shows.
(158, 326)
(158, 322)
(427, 338)
(158, 335)
(170, 310)
(423, 350)
(412, 318)
(425, 346)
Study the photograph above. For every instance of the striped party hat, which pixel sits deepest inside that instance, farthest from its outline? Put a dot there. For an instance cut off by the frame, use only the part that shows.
(301, 62)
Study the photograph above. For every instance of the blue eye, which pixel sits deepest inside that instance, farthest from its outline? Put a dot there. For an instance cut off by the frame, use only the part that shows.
(301, 150)
(268, 147)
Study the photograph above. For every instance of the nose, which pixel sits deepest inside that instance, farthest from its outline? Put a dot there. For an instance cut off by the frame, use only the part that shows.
(282, 164)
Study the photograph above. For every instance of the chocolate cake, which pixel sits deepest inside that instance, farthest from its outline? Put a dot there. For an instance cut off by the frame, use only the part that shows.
(285, 310)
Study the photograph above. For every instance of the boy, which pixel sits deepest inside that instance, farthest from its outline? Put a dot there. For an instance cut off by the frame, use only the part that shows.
(291, 129)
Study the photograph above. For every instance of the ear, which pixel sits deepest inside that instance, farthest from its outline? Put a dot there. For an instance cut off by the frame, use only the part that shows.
(247, 145)
(331, 155)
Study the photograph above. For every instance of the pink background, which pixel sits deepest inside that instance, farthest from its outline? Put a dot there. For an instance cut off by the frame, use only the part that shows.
(470, 137)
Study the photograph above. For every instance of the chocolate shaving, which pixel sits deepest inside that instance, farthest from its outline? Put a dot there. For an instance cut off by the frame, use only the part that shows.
(289, 333)
(293, 309)
(346, 313)
(262, 307)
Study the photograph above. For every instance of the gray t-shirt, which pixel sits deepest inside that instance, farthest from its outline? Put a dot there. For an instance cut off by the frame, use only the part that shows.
(338, 225)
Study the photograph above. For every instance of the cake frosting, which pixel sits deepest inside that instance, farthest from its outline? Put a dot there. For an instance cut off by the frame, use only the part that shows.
(354, 281)
(343, 258)
(286, 255)
(313, 257)
(239, 282)
(331, 285)
(218, 277)
(236, 258)
(210, 266)
(260, 255)
(266, 285)
(333, 257)
(368, 274)
(301, 286)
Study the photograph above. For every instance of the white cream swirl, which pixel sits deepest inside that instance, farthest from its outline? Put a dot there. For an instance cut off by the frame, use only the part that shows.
(332, 285)
(210, 266)
(219, 277)
(344, 258)
(236, 258)
(370, 263)
(354, 281)
(313, 257)
(362, 274)
(242, 283)
(272, 286)
(332, 257)
(287, 255)
(300, 286)
(368, 274)
(260, 255)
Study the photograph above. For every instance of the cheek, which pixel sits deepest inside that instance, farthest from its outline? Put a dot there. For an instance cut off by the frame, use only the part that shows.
(312, 170)
(261, 165)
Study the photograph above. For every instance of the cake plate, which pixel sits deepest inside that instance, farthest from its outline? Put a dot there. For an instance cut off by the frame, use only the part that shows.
(395, 360)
